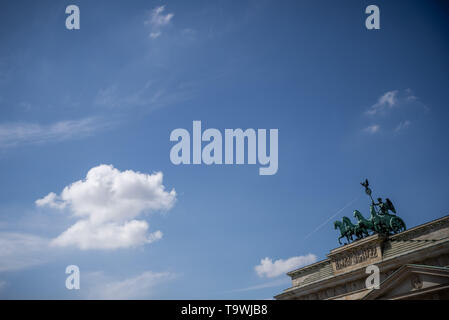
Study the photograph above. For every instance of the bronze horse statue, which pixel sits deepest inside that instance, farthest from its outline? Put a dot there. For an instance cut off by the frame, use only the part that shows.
(344, 231)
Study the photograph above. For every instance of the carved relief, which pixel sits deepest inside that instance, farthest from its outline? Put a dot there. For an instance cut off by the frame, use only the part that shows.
(356, 257)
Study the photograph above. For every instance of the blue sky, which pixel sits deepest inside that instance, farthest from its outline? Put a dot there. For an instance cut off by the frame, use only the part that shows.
(349, 103)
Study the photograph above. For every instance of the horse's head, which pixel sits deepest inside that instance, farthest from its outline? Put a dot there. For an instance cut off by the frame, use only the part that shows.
(357, 214)
(336, 224)
(346, 220)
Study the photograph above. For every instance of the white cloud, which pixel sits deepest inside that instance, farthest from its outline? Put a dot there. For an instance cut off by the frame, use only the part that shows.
(387, 100)
(157, 20)
(403, 125)
(372, 129)
(87, 235)
(393, 110)
(20, 250)
(139, 287)
(23, 133)
(268, 268)
(52, 201)
(395, 99)
(154, 35)
(107, 202)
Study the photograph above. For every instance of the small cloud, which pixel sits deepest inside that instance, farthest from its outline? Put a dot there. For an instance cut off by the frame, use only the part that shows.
(107, 202)
(372, 129)
(394, 99)
(268, 268)
(403, 125)
(387, 100)
(154, 35)
(157, 20)
(390, 110)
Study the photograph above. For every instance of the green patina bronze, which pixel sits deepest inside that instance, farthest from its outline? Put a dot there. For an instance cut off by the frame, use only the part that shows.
(380, 221)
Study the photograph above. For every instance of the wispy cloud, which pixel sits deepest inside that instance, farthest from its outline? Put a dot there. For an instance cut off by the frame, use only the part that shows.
(386, 101)
(394, 99)
(403, 125)
(270, 284)
(154, 35)
(148, 97)
(157, 20)
(142, 286)
(107, 97)
(393, 110)
(268, 268)
(21, 250)
(13, 134)
(372, 129)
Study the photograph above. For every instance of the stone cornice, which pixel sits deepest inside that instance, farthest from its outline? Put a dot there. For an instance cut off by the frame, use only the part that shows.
(348, 261)
(343, 278)
(421, 229)
(400, 236)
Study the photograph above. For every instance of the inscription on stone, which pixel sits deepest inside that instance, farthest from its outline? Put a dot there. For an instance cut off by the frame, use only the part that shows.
(355, 257)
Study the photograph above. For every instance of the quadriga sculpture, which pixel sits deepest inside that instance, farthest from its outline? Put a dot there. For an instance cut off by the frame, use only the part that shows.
(381, 221)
